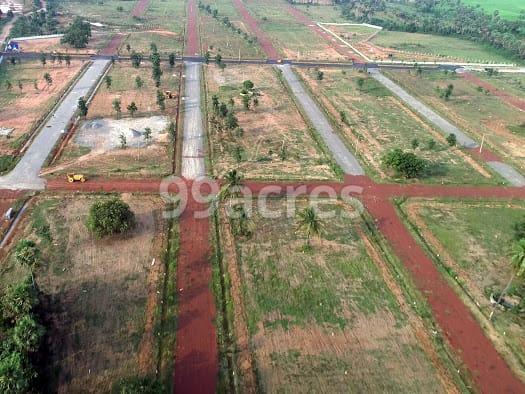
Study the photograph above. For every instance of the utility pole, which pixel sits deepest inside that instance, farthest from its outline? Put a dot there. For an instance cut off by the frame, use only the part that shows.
(482, 141)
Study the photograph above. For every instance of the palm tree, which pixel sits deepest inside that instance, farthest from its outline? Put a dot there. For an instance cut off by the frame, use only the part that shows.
(27, 254)
(310, 224)
(518, 265)
(241, 222)
(232, 185)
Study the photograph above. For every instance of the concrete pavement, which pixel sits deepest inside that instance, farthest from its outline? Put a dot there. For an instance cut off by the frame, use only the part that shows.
(193, 139)
(26, 173)
(341, 154)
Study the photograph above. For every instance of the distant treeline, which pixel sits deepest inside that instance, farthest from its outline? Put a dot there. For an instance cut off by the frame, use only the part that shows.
(38, 22)
(444, 17)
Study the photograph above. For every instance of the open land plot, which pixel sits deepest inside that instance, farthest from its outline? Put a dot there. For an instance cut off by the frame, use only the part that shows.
(376, 122)
(22, 109)
(510, 83)
(276, 143)
(330, 318)
(166, 41)
(473, 240)
(124, 88)
(166, 14)
(293, 39)
(353, 33)
(105, 12)
(98, 41)
(101, 308)
(419, 47)
(322, 13)
(217, 38)
(509, 9)
(479, 113)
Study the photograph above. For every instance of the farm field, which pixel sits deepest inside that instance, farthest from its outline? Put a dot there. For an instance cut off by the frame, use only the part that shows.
(331, 317)
(167, 15)
(101, 308)
(377, 122)
(276, 143)
(476, 112)
(22, 108)
(293, 39)
(473, 240)
(218, 39)
(509, 9)
(433, 48)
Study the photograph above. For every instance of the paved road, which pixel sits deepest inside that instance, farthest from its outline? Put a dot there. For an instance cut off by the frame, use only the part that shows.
(26, 174)
(507, 172)
(193, 140)
(342, 155)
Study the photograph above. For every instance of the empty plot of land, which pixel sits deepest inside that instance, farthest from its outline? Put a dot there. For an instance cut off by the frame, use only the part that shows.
(293, 39)
(510, 83)
(428, 47)
(376, 122)
(112, 13)
(167, 42)
(473, 240)
(50, 45)
(124, 88)
(25, 97)
(331, 317)
(475, 111)
(275, 142)
(99, 306)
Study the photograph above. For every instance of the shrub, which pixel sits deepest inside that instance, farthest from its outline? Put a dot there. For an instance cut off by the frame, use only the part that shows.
(406, 164)
(110, 217)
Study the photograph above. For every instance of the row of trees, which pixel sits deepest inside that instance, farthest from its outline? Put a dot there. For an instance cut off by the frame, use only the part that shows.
(444, 17)
(21, 331)
(214, 12)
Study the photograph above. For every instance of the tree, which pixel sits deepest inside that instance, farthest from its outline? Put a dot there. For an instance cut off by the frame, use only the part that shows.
(128, 47)
(231, 186)
(207, 56)
(27, 333)
(8, 85)
(110, 217)
(319, 75)
(15, 375)
(360, 83)
(519, 230)
(171, 59)
(431, 144)
(78, 33)
(223, 110)
(27, 255)
(215, 103)
(153, 47)
(117, 107)
(415, 143)
(138, 82)
(309, 223)
(67, 59)
(172, 131)
(248, 85)
(446, 93)
(255, 102)
(452, 139)
(231, 121)
(218, 59)
(108, 81)
(342, 116)
(518, 265)
(123, 141)
(18, 300)
(147, 135)
(240, 222)
(132, 108)
(406, 164)
(246, 101)
(161, 100)
(20, 86)
(136, 59)
(48, 78)
(43, 59)
(82, 106)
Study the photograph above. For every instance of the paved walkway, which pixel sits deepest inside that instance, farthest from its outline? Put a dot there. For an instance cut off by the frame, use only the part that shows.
(26, 173)
(506, 171)
(193, 139)
(341, 154)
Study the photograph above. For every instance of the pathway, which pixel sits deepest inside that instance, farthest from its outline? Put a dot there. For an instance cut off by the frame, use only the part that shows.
(341, 154)
(26, 173)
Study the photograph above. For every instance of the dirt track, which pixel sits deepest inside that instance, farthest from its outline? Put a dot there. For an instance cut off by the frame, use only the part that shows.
(263, 40)
(139, 8)
(514, 101)
(192, 33)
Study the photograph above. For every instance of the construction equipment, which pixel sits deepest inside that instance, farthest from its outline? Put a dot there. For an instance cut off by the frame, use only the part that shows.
(76, 178)
(169, 94)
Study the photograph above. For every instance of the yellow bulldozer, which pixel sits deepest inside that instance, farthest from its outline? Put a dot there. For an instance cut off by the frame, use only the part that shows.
(76, 178)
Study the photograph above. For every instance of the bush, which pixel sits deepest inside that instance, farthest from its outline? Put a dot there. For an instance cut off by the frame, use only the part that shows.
(406, 164)
(110, 217)
(138, 385)
(452, 139)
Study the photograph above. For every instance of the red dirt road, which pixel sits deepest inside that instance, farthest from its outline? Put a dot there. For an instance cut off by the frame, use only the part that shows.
(262, 38)
(514, 101)
(196, 360)
(139, 8)
(192, 33)
(328, 38)
(113, 45)
(487, 368)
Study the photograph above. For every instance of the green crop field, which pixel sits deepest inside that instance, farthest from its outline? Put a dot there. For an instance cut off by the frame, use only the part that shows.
(509, 9)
